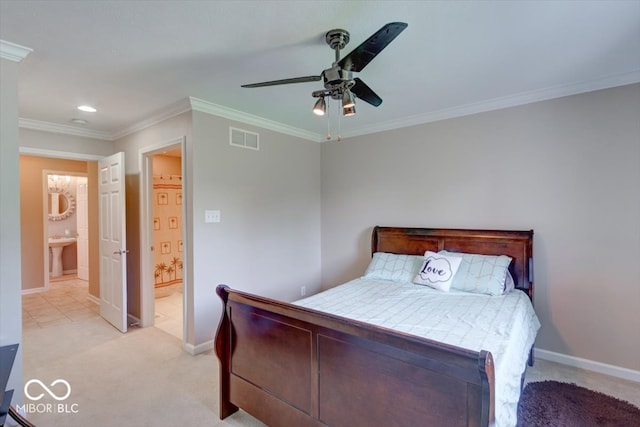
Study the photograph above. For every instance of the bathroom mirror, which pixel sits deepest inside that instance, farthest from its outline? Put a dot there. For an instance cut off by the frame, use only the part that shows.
(60, 204)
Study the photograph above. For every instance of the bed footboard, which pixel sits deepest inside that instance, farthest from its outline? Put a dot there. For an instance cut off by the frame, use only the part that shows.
(292, 366)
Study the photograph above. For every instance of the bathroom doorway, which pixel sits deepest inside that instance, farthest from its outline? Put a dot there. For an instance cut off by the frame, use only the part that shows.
(39, 174)
(163, 265)
(66, 226)
(66, 297)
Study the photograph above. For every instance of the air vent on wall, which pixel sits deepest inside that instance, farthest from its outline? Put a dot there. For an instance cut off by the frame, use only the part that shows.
(243, 138)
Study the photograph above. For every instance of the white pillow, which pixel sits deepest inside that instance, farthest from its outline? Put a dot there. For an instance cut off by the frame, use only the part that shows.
(509, 283)
(388, 266)
(438, 270)
(482, 274)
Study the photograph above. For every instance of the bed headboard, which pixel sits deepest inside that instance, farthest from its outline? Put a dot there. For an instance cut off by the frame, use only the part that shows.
(415, 241)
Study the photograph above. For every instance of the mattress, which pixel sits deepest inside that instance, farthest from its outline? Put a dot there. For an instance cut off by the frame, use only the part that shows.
(505, 325)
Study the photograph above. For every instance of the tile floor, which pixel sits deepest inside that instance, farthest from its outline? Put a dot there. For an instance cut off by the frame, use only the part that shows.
(67, 301)
(169, 314)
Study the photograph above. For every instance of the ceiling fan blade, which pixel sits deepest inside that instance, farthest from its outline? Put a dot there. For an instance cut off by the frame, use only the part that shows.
(286, 81)
(359, 57)
(365, 93)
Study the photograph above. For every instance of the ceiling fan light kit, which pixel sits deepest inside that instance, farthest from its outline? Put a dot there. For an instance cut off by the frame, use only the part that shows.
(349, 111)
(320, 108)
(338, 80)
(347, 99)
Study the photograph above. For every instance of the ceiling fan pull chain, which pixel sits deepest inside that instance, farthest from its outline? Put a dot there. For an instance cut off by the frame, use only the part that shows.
(339, 122)
(329, 123)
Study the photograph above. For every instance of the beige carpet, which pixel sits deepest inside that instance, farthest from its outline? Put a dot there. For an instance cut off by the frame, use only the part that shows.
(144, 378)
(141, 378)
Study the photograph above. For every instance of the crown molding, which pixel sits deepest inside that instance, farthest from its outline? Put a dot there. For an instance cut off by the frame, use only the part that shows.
(170, 111)
(13, 52)
(196, 104)
(500, 103)
(239, 116)
(30, 151)
(63, 129)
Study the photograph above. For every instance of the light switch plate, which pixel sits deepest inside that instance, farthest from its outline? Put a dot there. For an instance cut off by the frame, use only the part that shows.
(212, 216)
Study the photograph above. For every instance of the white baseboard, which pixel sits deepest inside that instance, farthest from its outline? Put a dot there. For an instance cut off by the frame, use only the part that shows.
(93, 299)
(33, 290)
(64, 272)
(132, 320)
(200, 348)
(590, 365)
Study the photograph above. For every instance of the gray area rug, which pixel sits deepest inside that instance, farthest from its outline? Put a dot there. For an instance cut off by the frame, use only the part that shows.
(557, 404)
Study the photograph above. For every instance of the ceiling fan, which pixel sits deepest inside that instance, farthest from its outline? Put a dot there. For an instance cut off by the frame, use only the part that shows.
(338, 80)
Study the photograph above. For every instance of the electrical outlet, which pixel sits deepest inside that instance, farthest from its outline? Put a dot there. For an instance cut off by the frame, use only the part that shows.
(303, 291)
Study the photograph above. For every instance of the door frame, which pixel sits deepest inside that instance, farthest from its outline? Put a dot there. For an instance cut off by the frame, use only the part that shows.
(45, 216)
(147, 294)
(53, 154)
(83, 271)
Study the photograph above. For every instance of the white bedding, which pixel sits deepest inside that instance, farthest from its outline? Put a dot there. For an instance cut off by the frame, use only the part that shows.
(504, 325)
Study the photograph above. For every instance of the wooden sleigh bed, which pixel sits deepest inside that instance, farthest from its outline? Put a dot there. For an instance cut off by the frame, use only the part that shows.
(291, 366)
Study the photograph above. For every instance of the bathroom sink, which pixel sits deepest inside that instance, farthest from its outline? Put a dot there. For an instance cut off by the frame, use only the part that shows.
(55, 242)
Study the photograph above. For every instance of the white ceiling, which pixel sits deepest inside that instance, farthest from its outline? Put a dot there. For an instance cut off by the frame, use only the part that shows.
(135, 60)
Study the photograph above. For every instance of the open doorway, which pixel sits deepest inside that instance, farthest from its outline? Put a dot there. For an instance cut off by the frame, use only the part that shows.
(66, 226)
(59, 234)
(163, 249)
(106, 290)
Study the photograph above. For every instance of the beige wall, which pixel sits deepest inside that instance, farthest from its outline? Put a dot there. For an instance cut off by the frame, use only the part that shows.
(164, 132)
(568, 168)
(268, 241)
(94, 229)
(10, 300)
(166, 165)
(32, 221)
(31, 139)
(269, 238)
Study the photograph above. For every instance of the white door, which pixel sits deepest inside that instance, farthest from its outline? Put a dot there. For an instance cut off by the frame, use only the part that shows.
(113, 241)
(83, 228)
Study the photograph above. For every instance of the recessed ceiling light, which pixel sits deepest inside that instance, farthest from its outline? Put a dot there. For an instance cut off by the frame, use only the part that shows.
(79, 121)
(87, 108)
